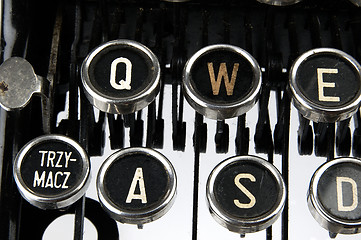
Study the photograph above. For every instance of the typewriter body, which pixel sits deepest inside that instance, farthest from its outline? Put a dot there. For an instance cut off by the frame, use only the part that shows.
(294, 156)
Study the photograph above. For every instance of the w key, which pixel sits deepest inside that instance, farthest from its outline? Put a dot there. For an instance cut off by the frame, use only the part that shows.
(222, 81)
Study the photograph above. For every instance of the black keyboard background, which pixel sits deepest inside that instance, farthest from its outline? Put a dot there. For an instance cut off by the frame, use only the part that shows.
(55, 37)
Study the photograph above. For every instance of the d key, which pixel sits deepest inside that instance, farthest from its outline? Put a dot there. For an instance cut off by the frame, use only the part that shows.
(325, 85)
(334, 196)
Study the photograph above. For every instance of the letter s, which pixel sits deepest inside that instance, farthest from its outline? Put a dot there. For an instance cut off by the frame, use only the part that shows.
(245, 190)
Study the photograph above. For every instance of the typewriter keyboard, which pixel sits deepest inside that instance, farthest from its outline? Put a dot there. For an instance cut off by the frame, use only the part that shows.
(125, 119)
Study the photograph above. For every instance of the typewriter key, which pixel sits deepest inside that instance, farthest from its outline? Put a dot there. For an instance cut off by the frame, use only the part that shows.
(334, 195)
(325, 85)
(136, 185)
(221, 81)
(121, 76)
(52, 171)
(280, 2)
(245, 194)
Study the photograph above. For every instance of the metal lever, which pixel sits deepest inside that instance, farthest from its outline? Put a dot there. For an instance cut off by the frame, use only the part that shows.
(18, 83)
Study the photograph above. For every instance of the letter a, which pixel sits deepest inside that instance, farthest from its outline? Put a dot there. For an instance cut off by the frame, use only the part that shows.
(222, 73)
(138, 178)
(245, 191)
(340, 204)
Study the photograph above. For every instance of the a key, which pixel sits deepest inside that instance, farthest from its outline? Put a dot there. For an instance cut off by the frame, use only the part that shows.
(136, 185)
(121, 76)
(222, 81)
(325, 85)
(334, 196)
(52, 171)
(245, 194)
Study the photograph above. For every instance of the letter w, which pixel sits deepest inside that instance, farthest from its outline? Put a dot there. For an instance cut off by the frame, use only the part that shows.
(222, 73)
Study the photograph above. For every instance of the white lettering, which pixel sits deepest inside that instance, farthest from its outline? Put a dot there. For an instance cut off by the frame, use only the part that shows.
(138, 178)
(51, 157)
(54, 159)
(340, 202)
(67, 158)
(49, 180)
(245, 190)
(67, 175)
(42, 157)
(58, 165)
(39, 181)
(52, 180)
(322, 84)
(123, 84)
(56, 180)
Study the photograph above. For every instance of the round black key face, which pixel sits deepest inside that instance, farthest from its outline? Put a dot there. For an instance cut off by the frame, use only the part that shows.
(335, 195)
(246, 174)
(121, 76)
(221, 81)
(52, 171)
(326, 85)
(146, 168)
(136, 185)
(246, 193)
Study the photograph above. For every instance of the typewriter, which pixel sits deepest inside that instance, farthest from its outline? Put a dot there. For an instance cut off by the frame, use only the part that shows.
(125, 119)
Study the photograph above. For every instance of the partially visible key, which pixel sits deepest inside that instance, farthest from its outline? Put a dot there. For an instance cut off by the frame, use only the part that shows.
(18, 83)
(334, 196)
